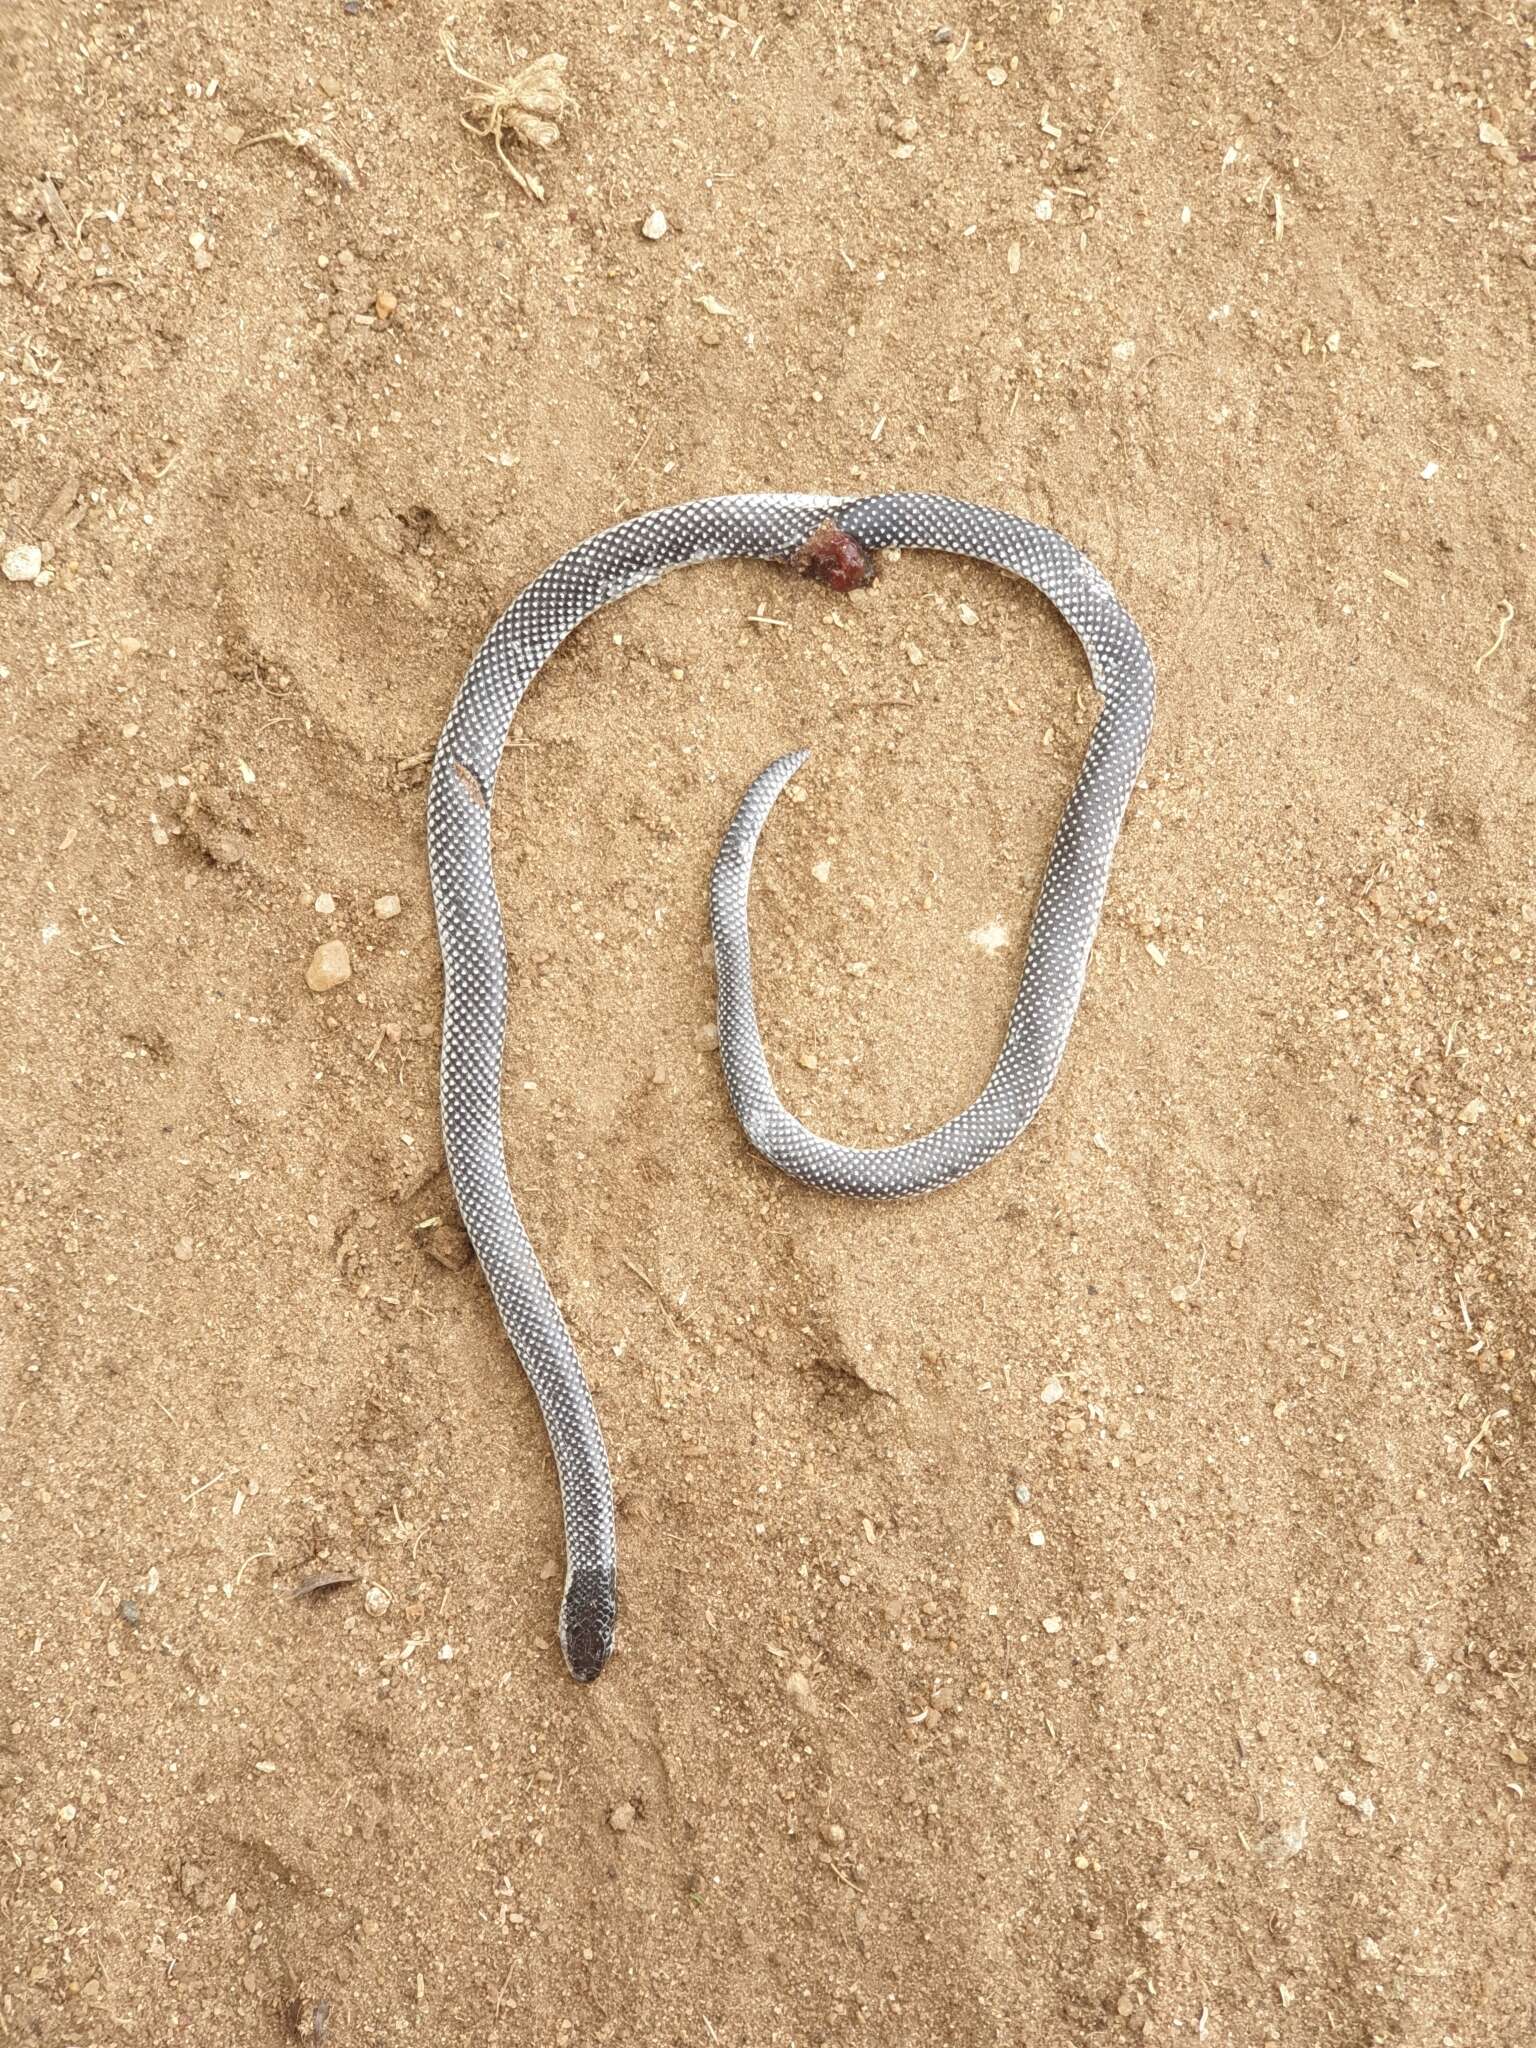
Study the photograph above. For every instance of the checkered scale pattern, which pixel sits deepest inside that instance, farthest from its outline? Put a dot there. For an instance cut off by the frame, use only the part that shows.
(469, 924)
(1071, 893)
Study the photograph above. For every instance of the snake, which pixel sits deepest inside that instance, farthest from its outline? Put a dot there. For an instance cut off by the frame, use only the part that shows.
(823, 535)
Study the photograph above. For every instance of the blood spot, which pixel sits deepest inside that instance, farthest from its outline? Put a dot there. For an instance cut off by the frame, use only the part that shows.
(834, 558)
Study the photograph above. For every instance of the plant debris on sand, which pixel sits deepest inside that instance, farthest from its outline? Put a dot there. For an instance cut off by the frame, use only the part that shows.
(522, 108)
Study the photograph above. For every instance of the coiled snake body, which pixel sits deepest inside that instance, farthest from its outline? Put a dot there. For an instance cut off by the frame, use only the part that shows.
(771, 527)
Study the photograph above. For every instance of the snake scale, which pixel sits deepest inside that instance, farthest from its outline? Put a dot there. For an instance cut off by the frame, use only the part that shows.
(783, 528)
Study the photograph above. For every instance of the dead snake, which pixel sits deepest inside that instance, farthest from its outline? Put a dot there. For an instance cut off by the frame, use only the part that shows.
(771, 527)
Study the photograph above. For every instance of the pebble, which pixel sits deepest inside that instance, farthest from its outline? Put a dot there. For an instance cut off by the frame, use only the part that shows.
(798, 1686)
(822, 871)
(386, 906)
(324, 905)
(23, 564)
(1052, 1624)
(385, 304)
(1052, 1392)
(128, 1611)
(376, 1600)
(833, 1835)
(622, 1818)
(654, 226)
(330, 965)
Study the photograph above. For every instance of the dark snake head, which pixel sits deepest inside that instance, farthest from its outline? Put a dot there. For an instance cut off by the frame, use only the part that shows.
(588, 1614)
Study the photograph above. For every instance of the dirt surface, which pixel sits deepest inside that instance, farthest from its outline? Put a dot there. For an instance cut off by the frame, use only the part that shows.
(1092, 1605)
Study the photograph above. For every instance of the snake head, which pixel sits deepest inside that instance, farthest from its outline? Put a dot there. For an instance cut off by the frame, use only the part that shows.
(588, 1614)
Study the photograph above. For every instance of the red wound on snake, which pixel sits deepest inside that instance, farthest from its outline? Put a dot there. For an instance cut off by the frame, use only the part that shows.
(834, 558)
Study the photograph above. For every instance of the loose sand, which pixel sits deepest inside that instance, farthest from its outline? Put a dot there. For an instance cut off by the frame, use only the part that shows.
(1093, 1605)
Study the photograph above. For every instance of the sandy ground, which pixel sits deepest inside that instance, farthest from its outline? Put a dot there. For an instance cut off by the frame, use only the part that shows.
(1093, 1605)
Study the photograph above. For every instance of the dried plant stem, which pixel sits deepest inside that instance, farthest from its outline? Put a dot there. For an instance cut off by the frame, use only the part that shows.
(309, 144)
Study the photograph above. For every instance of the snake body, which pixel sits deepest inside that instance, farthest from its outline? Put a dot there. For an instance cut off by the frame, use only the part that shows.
(769, 527)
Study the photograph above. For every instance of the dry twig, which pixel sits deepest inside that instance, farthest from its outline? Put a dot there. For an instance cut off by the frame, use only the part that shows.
(309, 144)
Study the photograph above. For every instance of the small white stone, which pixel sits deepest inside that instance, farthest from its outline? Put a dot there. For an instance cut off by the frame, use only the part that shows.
(330, 965)
(376, 1600)
(654, 226)
(1052, 1392)
(23, 564)
(1052, 1624)
(386, 906)
(990, 937)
